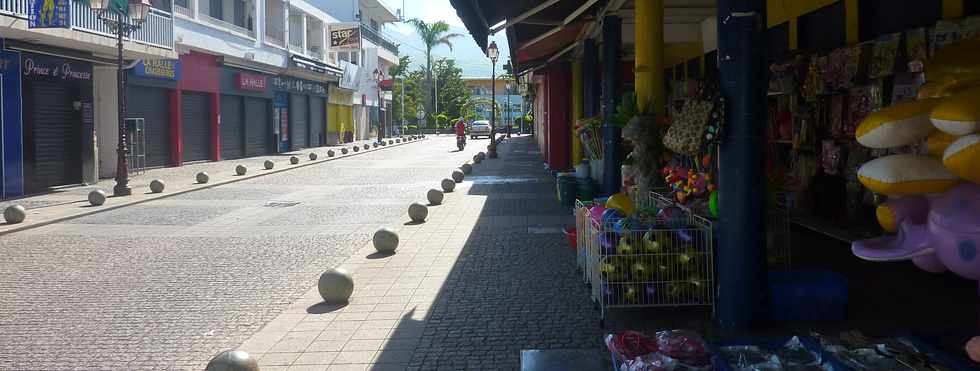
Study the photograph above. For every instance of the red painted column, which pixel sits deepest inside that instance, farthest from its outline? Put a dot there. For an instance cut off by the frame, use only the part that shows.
(176, 122)
(559, 118)
(215, 127)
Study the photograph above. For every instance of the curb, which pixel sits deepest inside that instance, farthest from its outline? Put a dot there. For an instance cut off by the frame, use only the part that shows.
(202, 187)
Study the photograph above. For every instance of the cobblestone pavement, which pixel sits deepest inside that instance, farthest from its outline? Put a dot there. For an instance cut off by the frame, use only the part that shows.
(71, 201)
(167, 283)
(487, 275)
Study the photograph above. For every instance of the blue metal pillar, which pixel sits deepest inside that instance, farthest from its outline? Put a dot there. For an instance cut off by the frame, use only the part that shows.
(590, 78)
(742, 206)
(612, 86)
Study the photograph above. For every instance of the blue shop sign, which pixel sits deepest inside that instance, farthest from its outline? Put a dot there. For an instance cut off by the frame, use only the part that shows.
(165, 69)
(50, 14)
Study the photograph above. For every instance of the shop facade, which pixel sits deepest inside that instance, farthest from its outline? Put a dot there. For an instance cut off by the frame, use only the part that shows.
(246, 113)
(11, 144)
(301, 112)
(195, 129)
(58, 121)
(340, 116)
(149, 89)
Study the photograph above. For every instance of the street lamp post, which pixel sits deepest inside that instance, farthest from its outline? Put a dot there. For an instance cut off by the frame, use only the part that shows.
(493, 53)
(420, 114)
(378, 76)
(122, 18)
(510, 124)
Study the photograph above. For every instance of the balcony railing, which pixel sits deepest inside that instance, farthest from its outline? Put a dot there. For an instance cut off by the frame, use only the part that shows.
(377, 38)
(158, 30)
(228, 25)
(187, 12)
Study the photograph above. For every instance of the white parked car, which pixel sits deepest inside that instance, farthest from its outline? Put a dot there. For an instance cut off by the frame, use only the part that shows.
(480, 128)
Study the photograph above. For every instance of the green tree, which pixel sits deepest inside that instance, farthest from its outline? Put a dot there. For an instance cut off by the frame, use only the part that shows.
(453, 93)
(399, 73)
(433, 35)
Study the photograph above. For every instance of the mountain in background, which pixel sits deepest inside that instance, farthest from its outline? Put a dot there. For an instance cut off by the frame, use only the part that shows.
(465, 51)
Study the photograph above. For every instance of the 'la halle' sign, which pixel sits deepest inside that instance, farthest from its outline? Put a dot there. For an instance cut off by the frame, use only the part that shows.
(247, 81)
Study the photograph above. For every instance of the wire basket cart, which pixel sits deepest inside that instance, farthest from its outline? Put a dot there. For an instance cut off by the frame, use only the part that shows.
(663, 256)
(584, 237)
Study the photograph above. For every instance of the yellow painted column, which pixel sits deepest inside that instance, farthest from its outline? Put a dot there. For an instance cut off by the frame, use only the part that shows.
(851, 16)
(578, 109)
(953, 9)
(794, 36)
(649, 61)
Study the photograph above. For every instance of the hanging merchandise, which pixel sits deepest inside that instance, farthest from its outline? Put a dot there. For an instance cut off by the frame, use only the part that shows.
(916, 49)
(885, 54)
(831, 157)
(686, 135)
(945, 33)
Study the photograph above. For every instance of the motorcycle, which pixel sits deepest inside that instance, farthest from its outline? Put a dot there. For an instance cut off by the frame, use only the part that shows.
(460, 142)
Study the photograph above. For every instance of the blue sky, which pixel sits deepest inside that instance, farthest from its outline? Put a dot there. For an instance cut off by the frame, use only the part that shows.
(465, 51)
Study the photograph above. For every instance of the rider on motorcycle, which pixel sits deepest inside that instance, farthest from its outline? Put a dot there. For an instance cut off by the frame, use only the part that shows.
(460, 133)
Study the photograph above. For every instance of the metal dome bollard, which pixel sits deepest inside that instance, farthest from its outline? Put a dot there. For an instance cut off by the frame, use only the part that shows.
(335, 285)
(366, 147)
(418, 212)
(483, 155)
(269, 164)
(202, 177)
(458, 176)
(14, 214)
(330, 153)
(233, 360)
(448, 185)
(385, 240)
(357, 148)
(293, 160)
(157, 186)
(313, 156)
(477, 159)
(241, 169)
(391, 142)
(97, 197)
(466, 168)
(435, 196)
(343, 151)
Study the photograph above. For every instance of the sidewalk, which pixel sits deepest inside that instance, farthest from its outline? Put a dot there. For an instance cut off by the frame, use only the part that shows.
(72, 201)
(486, 276)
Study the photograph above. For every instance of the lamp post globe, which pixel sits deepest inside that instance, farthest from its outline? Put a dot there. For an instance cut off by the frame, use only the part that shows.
(493, 53)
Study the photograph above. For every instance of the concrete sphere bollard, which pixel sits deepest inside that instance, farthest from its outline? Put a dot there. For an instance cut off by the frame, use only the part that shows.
(233, 360)
(14, 214)
(330, 153)
(435, 196)
(343, 151)
(466, 168)
(293, 160)
(477, 159)
(448, 185)
(483, 155)
(385, 240)
(203, 177)
(458, 176)
(357, 148)
(241, 169)
(269, 164)
(157, 186)
(366, 147)
(375, 145)
(335, 285)
(313, 156)
(97, 197)
(391, 142)
(418, 212)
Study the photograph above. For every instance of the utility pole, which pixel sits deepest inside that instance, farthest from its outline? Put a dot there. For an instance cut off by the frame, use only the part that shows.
(403, 99)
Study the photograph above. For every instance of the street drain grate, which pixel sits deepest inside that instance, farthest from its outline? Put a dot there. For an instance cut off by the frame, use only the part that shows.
(281, 204)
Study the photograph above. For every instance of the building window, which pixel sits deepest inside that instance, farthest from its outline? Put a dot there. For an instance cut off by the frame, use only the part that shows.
(182, 3)
(216, 9)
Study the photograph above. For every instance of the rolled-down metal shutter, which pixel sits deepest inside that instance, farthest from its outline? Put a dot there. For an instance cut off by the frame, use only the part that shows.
(258, 127)
(232, 127)
(153, 105)
(318, 111)
(196, 126)
(299, 127)
(57, 135)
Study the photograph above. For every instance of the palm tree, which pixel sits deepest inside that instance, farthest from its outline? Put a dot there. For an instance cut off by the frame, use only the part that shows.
(433, 35)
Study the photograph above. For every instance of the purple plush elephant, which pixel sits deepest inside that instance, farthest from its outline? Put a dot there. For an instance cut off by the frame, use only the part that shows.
(937, 232)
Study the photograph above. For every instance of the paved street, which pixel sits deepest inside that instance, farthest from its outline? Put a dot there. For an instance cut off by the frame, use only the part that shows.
(170, 282)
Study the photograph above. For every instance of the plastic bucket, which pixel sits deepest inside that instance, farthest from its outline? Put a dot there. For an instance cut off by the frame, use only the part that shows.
(566, 190)
(572, 235)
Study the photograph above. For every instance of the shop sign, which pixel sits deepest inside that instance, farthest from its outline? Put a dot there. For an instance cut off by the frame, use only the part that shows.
(50, 14)
(309, 67)
(36, 67)
(298, 86)
(251, 82)
(345, 36)
(166, 69)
